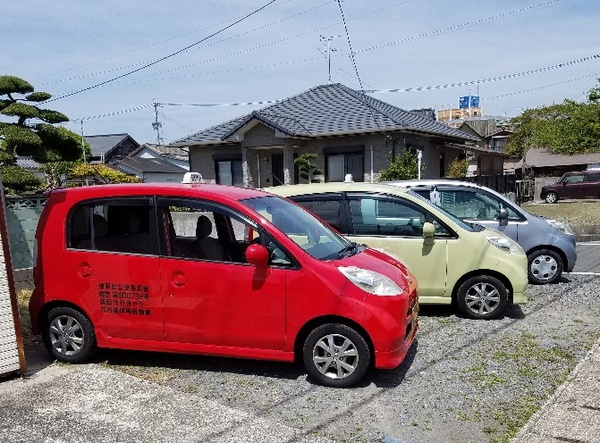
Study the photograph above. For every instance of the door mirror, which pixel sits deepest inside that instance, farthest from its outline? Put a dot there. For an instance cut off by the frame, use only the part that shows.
(503, 216)
(257, 255)
(428, 233)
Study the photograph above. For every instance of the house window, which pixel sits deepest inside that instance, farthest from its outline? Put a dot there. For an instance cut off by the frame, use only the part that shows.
(340, 161)
(229, 170)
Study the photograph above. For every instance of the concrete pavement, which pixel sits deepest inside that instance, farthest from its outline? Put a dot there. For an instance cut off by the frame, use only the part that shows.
(57, 403)
(82, 403)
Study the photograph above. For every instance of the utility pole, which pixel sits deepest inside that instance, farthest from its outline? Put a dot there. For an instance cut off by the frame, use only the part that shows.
(328, 53)
(83, 142)
(156, 124)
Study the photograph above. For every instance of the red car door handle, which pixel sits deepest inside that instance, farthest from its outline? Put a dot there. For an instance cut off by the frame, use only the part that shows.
(179, 279)
(85, 270)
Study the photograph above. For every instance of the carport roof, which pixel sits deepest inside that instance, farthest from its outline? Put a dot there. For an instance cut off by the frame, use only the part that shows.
(325, 111)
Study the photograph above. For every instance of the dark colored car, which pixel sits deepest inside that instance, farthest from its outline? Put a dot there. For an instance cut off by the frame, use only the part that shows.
(582, 184)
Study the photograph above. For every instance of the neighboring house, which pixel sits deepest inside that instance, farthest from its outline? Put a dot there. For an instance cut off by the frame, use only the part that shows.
(28, 163)
(547, 167)
(493, 134)
(174, 155)
(545, 163)
(155, 170)
(351, 133)
(110, 148)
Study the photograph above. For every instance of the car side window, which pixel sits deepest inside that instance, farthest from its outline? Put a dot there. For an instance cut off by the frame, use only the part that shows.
(195, 230)
(198, 230)
(473, 205)
(329, 210)
(575, 178)
(119, 225)
(381, 216)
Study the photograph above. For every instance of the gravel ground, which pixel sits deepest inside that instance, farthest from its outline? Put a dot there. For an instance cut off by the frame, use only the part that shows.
(463, 381)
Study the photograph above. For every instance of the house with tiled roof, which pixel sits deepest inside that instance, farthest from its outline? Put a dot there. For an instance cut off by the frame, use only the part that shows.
(110, 148)
(151, 169)
(493, 135)
(172, 154)
(544, 167)
(546, 163)
(350, 132)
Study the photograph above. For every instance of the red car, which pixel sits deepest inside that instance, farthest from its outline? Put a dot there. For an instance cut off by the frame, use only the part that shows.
(218, 270)
(583, 184)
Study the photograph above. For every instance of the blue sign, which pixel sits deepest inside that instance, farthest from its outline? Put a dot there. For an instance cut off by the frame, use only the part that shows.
(468, 101)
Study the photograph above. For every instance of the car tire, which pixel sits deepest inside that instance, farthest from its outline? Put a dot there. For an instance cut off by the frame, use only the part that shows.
(69, 335)
(551, 197)
(544, 266)
(482, 297)
(323, 359)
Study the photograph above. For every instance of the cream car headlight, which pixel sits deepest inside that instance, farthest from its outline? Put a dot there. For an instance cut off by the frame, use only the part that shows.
(371, 281)
(560, 226)
(505, 244)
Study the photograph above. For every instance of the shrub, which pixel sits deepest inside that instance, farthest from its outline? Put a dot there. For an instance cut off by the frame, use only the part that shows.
(17, 180)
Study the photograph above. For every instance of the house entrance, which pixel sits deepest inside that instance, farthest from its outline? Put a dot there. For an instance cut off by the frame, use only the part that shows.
(277, 169)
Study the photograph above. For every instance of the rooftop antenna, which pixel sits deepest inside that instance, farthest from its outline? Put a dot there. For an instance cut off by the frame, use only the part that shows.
(328, 53)
(157, 125)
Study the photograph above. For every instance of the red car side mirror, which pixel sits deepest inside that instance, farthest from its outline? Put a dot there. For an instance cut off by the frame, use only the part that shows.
(257, 255)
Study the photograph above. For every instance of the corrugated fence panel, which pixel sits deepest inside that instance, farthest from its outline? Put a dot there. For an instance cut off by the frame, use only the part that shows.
(9, 351)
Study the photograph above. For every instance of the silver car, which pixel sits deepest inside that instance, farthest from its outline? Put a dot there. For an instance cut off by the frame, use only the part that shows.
(549, 244)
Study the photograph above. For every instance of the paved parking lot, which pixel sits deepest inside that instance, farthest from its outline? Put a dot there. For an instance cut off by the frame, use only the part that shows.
(588, 257)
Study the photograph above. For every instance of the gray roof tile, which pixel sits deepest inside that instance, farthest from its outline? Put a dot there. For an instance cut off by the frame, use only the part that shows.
(27, 162)
(328, 110)
(103, 144)
(539, 157)
(143, 164)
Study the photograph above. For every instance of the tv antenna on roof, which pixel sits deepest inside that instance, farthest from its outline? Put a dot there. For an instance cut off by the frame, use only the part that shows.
(329, 50)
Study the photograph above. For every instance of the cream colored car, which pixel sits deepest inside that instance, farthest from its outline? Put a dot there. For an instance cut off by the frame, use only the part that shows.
(481, 270)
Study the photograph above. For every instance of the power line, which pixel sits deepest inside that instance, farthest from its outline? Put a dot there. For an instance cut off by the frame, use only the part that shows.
(106, 71)
(151, 45)
(363, 96)
(165, 57)
(489, 79)
(465, 25)
(368, 91)
(296, 36)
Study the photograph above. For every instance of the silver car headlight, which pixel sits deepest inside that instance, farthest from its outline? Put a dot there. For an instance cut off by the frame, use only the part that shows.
(560, 226)
(371, 281)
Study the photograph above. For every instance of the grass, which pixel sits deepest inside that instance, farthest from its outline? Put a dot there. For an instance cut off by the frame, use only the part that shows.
(581, 212)
(29, 340)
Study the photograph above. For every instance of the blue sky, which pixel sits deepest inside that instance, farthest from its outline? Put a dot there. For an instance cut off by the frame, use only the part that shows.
(483, 47)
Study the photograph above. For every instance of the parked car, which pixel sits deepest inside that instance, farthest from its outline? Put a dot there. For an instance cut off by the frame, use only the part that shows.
(218, 270)
(480, 270)
(573, 185)
(549, 244)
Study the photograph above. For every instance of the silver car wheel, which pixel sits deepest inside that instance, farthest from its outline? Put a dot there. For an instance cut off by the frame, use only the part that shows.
(335, 356)
(551, 197)
(544, 268)
(66, 335)
(482, 298)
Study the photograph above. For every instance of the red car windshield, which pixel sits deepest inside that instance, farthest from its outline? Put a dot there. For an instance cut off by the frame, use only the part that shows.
(316, 238)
